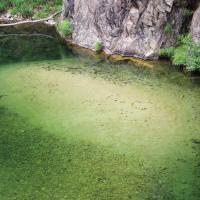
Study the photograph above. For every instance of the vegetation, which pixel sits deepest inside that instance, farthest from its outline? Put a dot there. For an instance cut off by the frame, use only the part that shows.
(65, 28)
(167, 52)
(98, 46)
(187, 12)
(168, 28)
(2, 6)
(29, 8)
(186, 53)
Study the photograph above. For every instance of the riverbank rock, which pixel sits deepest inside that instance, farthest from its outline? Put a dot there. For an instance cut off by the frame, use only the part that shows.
(195, 27)
(127, 27)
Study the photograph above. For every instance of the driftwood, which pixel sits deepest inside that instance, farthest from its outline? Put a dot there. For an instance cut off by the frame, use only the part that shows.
(31, 21)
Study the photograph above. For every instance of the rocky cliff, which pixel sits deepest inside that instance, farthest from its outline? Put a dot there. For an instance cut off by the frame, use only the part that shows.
(195, 26)
(127, 27)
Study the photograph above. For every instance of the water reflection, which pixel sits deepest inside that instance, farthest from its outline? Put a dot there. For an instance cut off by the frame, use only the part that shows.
(19, 48)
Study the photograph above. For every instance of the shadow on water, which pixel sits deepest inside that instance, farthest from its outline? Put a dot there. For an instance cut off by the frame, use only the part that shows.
(34, 47)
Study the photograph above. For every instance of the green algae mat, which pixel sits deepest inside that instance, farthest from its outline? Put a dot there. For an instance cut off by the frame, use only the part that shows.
(76, 127)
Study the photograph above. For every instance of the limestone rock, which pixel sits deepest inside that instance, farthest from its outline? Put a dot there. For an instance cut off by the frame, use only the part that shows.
(195, 27)
(126, 27)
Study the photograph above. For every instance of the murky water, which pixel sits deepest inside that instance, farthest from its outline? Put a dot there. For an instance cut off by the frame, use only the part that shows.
(77, 127)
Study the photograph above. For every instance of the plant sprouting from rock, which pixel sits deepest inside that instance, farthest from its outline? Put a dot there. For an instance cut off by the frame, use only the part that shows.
(168, 28)
(65, 28)
(98, 46)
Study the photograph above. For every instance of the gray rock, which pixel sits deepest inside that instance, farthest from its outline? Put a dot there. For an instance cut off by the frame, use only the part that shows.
(195, 26)
(126, 27)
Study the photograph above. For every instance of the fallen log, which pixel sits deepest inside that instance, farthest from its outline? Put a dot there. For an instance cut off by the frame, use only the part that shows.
(31, 21)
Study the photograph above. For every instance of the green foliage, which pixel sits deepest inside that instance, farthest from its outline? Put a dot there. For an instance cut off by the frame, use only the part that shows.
(98, 46)
(193, 58)
(40, 14)
(186, 53)
(14, 11)
(65, 28)
(44, 11)
(29, 8)
(3, 6)
(187, 12)
(26, 10)
(167, 52)
(168, 28)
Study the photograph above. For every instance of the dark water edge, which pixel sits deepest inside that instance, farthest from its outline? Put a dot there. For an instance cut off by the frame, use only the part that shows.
(23, 47)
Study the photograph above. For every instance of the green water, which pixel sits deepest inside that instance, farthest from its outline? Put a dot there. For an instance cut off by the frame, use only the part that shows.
(75, 127)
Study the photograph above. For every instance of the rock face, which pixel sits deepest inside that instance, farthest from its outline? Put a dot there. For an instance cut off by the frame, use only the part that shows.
(127, 27)
(195, 27)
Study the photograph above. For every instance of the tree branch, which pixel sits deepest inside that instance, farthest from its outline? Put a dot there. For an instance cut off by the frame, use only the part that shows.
(31, 21)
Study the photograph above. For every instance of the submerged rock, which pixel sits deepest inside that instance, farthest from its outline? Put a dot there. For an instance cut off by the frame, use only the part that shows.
(127, 27)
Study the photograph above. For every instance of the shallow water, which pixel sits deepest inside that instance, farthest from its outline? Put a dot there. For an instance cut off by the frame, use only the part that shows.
(77, 127)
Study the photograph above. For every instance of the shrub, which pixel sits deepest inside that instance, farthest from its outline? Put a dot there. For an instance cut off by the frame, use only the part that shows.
(193, 57)
(14, 11)
(65, 28)
(167, 52)
(3, 6)
(40, 14)
(186, 53)
(26, 10)
(27, 7)
(98, 46)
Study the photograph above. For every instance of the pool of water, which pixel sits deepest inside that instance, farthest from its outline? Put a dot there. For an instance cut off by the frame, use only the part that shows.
(75, 126)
